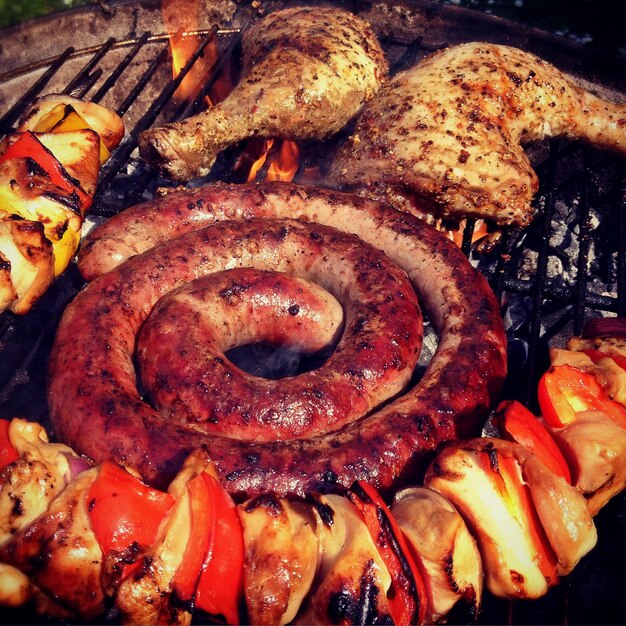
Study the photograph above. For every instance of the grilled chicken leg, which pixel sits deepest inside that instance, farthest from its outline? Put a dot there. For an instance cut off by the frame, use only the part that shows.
(445, 136)
(307, 71)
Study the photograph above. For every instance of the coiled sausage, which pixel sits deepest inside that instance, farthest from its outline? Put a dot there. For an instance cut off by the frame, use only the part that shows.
(101, 417)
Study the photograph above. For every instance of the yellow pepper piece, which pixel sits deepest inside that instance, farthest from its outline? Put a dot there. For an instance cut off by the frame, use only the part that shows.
(50, 119)
(63, 118)
(64, 250)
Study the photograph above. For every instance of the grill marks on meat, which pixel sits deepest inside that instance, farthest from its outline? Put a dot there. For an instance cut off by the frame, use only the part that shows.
(306, 73)
(104, 417)
(445, 136)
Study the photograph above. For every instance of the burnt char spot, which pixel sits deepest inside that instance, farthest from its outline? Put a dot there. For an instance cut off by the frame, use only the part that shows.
(329, 477)
(361, 608)
(70, 200)
(232, 291)
(41, 559)
(517, 577)
(515, 78)
(267, 501)
(34, 169)
(448, 568)
(326, 513)
(18, 507)
(341, 607)
(493, 457)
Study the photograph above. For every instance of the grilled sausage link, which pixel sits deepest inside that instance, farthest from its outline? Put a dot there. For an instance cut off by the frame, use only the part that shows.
(102, 416)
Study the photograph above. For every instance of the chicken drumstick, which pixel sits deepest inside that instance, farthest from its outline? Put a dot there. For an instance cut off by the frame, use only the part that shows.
(307, 72)
(445, 136)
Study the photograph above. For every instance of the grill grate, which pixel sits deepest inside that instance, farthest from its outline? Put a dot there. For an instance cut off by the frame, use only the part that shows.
(582, 200)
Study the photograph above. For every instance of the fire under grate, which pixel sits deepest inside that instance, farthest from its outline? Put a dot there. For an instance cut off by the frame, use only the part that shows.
(568, 266)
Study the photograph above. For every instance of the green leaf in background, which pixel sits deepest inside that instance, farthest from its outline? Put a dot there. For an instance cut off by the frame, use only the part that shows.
(14, 11)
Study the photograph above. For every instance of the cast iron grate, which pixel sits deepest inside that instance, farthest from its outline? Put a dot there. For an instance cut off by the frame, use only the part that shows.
(568, 266)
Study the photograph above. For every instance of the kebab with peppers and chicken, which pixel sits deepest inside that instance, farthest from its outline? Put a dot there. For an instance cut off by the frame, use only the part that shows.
(48, 174)
(78, 540)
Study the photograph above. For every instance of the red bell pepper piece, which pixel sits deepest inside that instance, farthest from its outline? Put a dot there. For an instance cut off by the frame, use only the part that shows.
(504, 472)
(28, 146)
(565, 391)
(597, 355)
(125, 512)
(220, 588)
(201, 537)
(407, 594)
(517, 423)
(8, 453)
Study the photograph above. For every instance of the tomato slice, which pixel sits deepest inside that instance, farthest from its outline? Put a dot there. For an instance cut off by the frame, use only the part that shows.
(503, 471)
(519, 424)
(8, 453)
(565, 391)
(407, 594)
(125, 512)
(220, 588)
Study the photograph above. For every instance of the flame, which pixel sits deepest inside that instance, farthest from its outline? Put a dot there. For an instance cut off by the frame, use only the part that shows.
(260, 161)
(286, 165)
(284, 161)
(181, 19)
(480, 231)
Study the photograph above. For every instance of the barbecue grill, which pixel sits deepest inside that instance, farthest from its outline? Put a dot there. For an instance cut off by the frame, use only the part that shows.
(568, 266)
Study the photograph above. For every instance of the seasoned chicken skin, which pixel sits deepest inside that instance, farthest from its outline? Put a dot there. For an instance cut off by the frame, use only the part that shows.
(306, 72)
(445, 136)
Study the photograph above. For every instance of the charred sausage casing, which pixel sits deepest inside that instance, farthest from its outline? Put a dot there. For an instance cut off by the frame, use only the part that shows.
(102, 417)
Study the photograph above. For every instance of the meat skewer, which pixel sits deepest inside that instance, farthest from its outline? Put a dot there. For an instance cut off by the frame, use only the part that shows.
(48, 175)
(306, 73)
(335, 554)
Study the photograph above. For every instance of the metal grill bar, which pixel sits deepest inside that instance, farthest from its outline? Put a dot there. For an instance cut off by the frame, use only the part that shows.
(142, 82)
(123, 152)
(539, 287)
(216, 69)
(117, 72)
(83, 75)
(621, 254)
(16, 110)
(582, 264)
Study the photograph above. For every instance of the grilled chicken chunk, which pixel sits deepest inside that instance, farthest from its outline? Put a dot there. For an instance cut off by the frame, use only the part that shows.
(445, 549)
(307, 71)
(60, 553)
(281, 557)
(445, 136)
